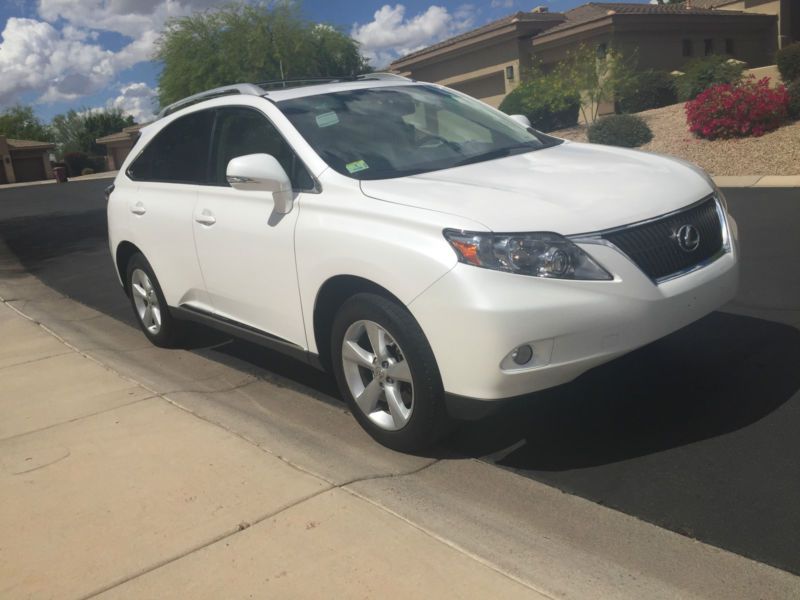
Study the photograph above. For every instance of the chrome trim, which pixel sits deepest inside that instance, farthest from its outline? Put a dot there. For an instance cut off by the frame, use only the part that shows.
(722, 252)
(238, 179)
(602, 232)
(596, 237)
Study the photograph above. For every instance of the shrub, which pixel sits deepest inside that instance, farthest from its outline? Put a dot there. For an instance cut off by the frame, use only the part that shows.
(748, 108)
(546, 101)
(628, 131)
(793, 90)
(77, 162)
(788, 60)
(701, 73)
(646, 90)
(87, 171)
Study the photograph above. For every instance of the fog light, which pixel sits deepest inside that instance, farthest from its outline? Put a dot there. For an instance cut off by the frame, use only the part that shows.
(522, 355)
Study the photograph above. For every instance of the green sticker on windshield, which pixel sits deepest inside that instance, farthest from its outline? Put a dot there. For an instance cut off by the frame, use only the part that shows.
(327, 119)
(355, 167)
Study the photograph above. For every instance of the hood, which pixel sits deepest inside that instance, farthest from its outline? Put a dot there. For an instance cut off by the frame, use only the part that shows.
(570, 188)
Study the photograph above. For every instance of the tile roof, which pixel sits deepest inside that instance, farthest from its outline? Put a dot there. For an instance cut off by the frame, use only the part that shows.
(516, 17)
(710, 3)
(594, 11)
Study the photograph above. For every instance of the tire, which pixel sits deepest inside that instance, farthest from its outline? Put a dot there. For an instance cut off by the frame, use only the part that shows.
(422, 419)
(158, 325)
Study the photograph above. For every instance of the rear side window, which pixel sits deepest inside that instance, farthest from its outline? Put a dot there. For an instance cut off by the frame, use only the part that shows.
(178, 153)
(240, 131)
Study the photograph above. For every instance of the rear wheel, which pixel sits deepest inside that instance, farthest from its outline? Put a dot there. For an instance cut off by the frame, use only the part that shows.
(386, 371)
(149, 306)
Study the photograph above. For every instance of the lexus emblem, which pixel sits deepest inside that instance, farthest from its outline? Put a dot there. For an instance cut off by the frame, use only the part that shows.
(688, 238)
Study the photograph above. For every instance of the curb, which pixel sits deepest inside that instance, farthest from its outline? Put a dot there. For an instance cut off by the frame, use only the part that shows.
(747, 181)
(730, 181)
(104, 175)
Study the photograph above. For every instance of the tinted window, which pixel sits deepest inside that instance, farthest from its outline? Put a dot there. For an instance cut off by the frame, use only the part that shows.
(241, 131)
(386, 132)
(179, 153)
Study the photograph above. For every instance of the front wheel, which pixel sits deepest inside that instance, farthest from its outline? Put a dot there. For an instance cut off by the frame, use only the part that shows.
(386, 371)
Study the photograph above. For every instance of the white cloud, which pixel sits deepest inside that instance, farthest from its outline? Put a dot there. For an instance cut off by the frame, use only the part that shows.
(137, 100)
(34, 56)
(502, 3)
(57, 55)
(391, 35)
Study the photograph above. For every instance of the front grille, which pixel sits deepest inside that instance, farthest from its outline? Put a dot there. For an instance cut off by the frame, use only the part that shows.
(654, 246)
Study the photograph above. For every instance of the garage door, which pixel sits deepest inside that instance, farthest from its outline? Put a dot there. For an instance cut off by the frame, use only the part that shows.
(484, 88)
(29, 168)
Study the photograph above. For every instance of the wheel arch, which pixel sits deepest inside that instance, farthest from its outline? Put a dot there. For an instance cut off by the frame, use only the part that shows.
(330, 297)
(125, 250)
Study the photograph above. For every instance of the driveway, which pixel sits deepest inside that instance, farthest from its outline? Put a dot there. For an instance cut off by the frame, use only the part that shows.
(696, 433)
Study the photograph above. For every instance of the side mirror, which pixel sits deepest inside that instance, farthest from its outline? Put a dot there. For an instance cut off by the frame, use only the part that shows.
(261, 173)
(521, 119)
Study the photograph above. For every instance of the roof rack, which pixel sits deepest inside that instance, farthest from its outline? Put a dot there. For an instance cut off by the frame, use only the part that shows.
(260, 89)
(292, 83)
(283, 84)
(240, 88)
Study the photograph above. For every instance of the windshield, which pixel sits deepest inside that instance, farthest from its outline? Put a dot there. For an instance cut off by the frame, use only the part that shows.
(386, 132)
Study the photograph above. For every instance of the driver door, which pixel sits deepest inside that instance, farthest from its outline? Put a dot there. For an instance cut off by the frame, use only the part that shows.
(245, 249)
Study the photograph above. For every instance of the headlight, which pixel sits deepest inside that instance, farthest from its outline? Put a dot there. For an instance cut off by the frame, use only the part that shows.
(538, 254)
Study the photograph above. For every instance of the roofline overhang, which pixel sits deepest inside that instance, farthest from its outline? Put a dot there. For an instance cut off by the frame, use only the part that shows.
(503, 32)
(622, 21)
(46, 146)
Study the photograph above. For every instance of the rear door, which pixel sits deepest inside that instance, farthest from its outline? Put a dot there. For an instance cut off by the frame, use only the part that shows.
(245, 248)
(168, 173)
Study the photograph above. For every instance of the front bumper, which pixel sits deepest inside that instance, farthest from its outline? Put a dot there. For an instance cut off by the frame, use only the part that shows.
(474, 317)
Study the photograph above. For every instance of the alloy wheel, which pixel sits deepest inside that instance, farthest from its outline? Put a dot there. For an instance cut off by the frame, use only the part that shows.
(378, 375)
(146, 301)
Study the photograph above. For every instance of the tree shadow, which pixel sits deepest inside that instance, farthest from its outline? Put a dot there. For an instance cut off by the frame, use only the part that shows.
(713, 377)
(717, 375)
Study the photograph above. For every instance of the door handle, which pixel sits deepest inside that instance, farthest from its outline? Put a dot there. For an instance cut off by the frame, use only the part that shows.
(138, 209)
(206, 218)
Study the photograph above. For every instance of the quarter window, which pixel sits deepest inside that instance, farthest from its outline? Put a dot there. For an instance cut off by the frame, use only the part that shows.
(177, 154)
(240, 131)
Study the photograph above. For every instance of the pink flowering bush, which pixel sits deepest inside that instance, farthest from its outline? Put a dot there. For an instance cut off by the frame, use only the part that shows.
(743, 109)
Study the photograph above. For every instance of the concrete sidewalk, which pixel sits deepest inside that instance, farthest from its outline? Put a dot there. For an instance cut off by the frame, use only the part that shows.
(137, 472)
(109, 488)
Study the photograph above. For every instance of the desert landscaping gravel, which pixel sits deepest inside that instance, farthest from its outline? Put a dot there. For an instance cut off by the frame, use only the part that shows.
(776, 153)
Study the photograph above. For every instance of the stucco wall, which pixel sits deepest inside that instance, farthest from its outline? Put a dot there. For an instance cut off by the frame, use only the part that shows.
(480, 73)
(662, 48)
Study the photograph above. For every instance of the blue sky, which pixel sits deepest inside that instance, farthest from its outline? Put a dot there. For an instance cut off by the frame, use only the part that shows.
(62, 54)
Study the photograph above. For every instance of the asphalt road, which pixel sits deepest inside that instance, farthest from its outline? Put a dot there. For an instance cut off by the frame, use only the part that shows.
(697, 432)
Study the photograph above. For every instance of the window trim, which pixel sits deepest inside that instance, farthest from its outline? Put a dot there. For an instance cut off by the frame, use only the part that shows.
(316, 189)
(155, 136)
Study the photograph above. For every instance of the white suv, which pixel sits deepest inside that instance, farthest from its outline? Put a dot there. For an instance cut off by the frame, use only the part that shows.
(435, 254)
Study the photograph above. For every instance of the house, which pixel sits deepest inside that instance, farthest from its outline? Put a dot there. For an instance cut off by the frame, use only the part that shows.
(118, 145)
(25, 160)
(487, 62)
(787, 11)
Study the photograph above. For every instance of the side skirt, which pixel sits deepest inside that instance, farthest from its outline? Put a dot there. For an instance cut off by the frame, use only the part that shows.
(245, 332)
